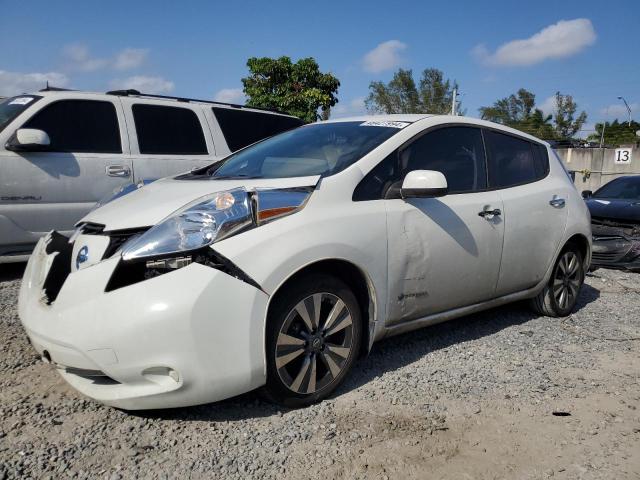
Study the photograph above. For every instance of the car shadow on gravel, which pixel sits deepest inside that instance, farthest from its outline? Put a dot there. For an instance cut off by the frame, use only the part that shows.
(396, 352)
(11, 271)
(387, 355)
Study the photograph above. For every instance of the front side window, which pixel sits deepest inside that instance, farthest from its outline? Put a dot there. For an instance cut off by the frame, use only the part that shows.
(11, 107)
(621, 188)
(457, 152)
(79, 126)
(318, 149)
(243, 127)
(168, 130)
(514, 161)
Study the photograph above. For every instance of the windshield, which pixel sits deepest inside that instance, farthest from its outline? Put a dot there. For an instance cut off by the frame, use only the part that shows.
(623, 188)
(318, 149)
(11, 107)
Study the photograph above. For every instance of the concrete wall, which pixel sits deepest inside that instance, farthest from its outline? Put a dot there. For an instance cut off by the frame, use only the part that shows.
(600, 162)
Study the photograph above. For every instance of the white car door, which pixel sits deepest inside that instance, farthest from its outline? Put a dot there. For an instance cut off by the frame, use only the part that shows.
(167, 137)
(53, 189)
(444, 252)
(535, 211)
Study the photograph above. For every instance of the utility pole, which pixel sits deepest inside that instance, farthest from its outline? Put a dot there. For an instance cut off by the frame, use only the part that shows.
(628, 108)
(604, 124)
(454, 101)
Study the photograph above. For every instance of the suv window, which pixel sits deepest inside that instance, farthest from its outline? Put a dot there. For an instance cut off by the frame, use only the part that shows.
(242, 127)
(514, 161)
(457, 152)
(168, 130)
(79, 126)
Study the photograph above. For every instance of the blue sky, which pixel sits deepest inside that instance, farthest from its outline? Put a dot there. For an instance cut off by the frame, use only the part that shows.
(588, 49)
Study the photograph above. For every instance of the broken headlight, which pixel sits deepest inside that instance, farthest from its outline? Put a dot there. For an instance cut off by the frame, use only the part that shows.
(212, 218)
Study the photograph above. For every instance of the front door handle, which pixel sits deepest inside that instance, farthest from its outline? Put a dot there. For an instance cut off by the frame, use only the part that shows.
(557, 202)
(118, 171)
(489, 214)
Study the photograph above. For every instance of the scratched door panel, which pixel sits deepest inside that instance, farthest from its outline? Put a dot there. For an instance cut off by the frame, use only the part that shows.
(442, 254)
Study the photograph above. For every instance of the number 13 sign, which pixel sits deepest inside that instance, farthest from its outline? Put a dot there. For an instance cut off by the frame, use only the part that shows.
(623, 156)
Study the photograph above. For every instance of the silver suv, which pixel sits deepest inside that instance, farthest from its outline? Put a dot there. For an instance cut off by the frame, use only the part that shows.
(62, 151)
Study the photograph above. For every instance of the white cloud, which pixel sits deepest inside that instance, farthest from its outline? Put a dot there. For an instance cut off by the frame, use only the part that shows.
(385, 56)
(560, 40)
(15, 83)
(80, 58)
(549, 106)
(349, 109)
(130, 58)
(619, 111)
(229, 95)
(144, 84)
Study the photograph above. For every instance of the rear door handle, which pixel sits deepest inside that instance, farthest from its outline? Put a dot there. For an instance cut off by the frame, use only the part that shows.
(489, 214)
(118, 171)
(557, 202)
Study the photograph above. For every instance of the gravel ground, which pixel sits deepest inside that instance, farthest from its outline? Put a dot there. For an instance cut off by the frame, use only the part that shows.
(473, 398)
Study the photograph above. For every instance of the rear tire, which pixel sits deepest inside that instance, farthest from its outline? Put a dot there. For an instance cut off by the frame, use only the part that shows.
(313, 337)
(560, 294)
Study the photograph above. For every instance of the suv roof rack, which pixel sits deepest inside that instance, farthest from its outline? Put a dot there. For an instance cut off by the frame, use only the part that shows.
(135, 93)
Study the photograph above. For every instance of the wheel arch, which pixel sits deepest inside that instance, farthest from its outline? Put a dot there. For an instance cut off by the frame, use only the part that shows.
(582, 243)
(355, 277)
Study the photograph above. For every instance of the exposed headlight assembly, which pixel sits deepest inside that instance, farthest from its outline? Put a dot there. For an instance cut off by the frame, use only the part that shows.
(212, 218)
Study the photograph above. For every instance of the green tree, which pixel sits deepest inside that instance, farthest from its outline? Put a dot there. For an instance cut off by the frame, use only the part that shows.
(401, 95)
(511, 110)
(518, 111)
(616, 133)
(299, 89)
(538, 124)
(566, 122)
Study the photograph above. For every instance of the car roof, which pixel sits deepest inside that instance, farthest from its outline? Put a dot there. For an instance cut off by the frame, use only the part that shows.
(67, 93)
(437, 119)
(395, 117)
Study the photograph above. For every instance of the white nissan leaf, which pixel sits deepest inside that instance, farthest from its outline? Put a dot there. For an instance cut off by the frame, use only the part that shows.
(277, 266)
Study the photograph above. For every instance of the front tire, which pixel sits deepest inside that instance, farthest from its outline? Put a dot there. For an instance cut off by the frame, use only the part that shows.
(313, 338)
(559, 296)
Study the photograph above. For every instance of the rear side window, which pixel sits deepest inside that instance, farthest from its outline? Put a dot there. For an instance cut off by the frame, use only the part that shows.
(242, 127)
(79, 126)
(168, 130)
(514, 161)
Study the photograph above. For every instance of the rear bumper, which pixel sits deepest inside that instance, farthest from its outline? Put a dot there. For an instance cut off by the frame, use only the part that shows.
(187, 337)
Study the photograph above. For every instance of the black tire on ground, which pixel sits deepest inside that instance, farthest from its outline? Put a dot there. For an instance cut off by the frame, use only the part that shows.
(560, 294)
(313, 336)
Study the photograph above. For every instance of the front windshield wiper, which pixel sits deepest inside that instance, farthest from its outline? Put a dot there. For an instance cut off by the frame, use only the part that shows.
(241, 176)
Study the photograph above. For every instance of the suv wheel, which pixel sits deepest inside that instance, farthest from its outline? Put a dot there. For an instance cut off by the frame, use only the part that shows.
(559, 296)
(313, 338)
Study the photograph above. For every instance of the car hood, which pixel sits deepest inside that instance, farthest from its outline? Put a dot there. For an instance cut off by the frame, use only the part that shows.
(614, 209)
(152, 203)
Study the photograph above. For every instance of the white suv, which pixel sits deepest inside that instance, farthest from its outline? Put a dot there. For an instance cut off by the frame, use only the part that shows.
(278, 266)
(61, 151)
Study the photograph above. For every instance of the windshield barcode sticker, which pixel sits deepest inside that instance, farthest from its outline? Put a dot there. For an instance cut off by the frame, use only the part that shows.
(20, 101)
(382, 123)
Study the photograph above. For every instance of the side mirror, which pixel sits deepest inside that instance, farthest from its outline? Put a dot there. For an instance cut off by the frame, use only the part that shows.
(586, 193)
(28, 140)
(424, 184)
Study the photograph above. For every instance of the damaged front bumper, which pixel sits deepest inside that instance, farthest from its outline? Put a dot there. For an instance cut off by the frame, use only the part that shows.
(191, 336)
(616, 246)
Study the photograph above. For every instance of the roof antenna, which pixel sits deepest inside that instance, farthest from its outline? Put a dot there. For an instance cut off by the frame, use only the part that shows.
(47, 87)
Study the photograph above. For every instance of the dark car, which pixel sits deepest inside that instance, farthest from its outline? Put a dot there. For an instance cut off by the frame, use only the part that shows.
(615, 222)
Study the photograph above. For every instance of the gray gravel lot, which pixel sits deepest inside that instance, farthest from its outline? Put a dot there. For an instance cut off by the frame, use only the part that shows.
(473, 398)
